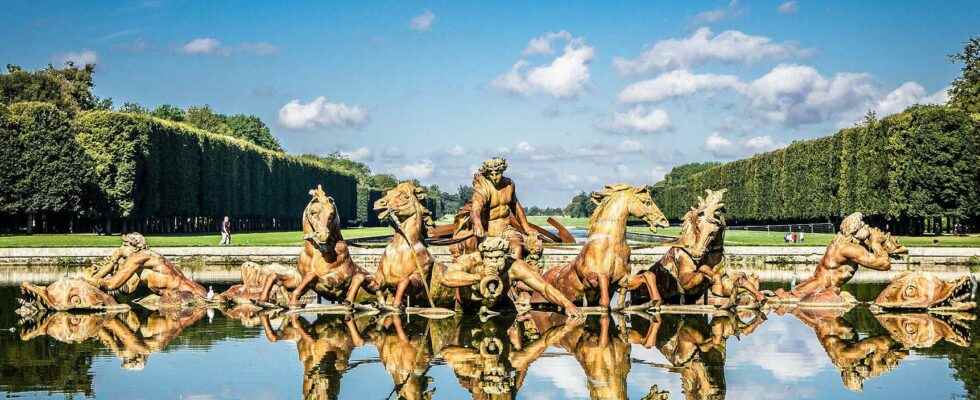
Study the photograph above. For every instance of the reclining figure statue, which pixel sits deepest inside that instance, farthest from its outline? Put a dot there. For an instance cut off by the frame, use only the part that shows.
(856, 244)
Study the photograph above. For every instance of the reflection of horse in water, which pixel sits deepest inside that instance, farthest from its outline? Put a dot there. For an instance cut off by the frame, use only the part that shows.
(603, 266)
(324, 348)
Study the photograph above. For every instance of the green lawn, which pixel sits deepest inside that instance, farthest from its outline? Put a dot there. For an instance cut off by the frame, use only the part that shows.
(293, 238)
(754, 238)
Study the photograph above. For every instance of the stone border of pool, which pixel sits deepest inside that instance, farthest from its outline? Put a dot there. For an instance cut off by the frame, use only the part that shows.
(738, 256)
(220, 264)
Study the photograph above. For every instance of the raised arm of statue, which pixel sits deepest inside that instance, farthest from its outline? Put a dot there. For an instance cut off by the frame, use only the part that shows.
(133, 265)
(877, 260)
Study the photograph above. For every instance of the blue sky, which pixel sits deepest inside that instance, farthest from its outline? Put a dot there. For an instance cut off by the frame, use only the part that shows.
(576, 95)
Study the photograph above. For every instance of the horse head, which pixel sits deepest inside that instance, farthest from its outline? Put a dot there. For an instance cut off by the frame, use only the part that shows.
(707, 223)
(402, 203)
(320, 218)
(638, 203)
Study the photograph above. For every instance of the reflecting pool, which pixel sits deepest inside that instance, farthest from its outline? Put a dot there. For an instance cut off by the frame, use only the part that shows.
(201, 354)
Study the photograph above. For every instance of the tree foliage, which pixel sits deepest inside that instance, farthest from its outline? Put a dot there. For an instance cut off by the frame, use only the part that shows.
(965, 90)
(581, 206)
(68, 88)
(41, 169)
(135, 156)
(918, 163)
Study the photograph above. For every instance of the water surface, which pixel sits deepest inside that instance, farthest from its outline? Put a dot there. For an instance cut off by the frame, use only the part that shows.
(201, 355)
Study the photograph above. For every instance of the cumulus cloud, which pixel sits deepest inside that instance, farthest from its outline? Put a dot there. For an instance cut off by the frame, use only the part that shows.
(204, 45)
(723, 147)
(420, 170)
(731, 47)
(639, 119)
(908, 94)
(565, 77)
(422, 22)
(542, 44)
(676, 83)
(358, 154)
(79, 59)
(718, 14)
(789, 7)
(797, 94)
(320, 113)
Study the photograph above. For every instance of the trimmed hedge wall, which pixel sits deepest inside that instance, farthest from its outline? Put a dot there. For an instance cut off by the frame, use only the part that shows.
(921, 163)
(151, 171)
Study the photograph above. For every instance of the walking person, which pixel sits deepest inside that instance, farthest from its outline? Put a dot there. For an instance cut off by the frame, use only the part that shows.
(225, 232)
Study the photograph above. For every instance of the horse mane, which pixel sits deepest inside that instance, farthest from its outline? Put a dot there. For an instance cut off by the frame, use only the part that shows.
(602, 199)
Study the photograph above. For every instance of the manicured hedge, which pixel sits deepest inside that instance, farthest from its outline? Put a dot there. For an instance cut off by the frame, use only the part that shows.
(923, 162)
(150, 169)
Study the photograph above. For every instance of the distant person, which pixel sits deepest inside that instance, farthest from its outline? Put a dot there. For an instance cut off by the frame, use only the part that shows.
(801, 236)
(225, 232)
(788, 238)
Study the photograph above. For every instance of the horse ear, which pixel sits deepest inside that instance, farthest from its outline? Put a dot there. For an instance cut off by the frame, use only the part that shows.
(641, 190)
(312, 192)
(597, 197)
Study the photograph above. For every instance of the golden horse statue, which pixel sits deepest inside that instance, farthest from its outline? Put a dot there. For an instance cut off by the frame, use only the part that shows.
(603, 265)
(689, 270)
(406, 264)
(325, 263)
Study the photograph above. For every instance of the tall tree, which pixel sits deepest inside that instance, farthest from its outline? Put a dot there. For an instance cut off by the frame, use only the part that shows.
(205, 118)
(69, 88)
(965, 91)
(252, 129)
(169, 112)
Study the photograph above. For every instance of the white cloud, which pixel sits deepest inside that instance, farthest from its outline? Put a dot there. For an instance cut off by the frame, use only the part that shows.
(456, 151)
(542, 44)
(203, 46)
(565, 77)
(676, 83)
(259, 48)
(320, 113)
(639, 119)
(732, 47)
(422, 22)
(908, 94)
(797, 94)
(718, 14)
(723, 147)
(358, 154)
(789, 7)
(79, 59)
(420, 170)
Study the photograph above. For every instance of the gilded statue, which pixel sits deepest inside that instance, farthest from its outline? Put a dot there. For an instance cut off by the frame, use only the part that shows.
(603, 264)
(494, 204)
(926, 291)
(855, 244)
(133, 339)
(487, 277)
(406, 264)
(134, 265)
(325, 263)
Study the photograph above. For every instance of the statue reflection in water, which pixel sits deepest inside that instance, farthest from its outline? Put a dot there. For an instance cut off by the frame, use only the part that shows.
(324, 348)
(861, 359)
(128, 335)
(491, 358)
(695, 347)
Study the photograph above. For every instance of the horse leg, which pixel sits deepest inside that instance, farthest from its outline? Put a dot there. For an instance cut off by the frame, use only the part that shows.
(400, 292)
(648, 279)
(355, 284)
(308, 279)
(604, 291)
(270, 281)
